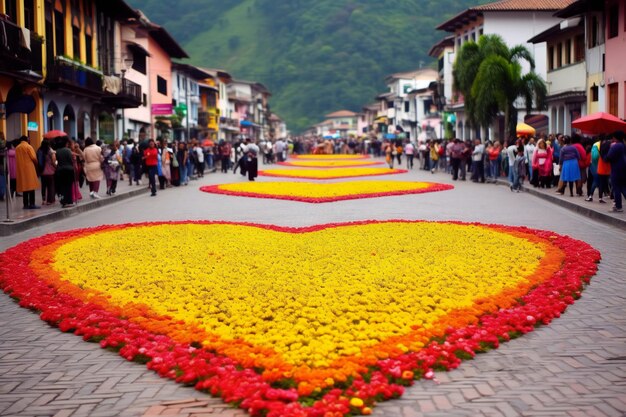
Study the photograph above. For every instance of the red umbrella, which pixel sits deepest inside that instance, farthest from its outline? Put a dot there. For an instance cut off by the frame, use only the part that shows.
(599, 123)
(54, 134)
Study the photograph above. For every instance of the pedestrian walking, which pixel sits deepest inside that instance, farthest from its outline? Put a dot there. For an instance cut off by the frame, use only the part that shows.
(151, 160)
(112, 167)
(93, 167)
(26, 172)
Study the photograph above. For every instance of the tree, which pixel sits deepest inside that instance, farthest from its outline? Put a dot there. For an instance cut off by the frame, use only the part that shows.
(489, 75)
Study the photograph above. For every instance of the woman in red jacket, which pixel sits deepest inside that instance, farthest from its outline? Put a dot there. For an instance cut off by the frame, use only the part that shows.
(151, 159)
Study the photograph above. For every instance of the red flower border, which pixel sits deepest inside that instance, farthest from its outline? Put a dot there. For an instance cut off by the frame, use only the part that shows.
(295, 163)
(246, 388)
(390, 172)
(434, 187)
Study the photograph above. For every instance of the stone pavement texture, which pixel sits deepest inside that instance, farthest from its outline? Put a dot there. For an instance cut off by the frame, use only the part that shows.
(576, 366)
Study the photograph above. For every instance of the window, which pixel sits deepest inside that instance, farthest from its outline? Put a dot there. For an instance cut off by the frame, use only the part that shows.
(407, 106)
(144, 100)
(59, 29)
(29, 14)
(579, 48)
(559, 55)
(594, 93)
(613, 98)
(161, 85)
(594, 35)
(550, 58)
(89, 50)
(613, 20)
(11, 10)
(568, 52)
(76, 42)
(139, 61)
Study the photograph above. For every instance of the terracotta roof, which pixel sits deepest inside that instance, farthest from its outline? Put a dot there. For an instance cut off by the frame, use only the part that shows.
(440, 46)
(341, 113)
(525, 5)
(503, 6)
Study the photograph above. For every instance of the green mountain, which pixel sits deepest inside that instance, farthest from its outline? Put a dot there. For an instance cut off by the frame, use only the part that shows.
(316, 56)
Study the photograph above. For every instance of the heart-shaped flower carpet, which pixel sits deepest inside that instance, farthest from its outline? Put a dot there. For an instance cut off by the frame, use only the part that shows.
(330, 174)
(330, 163)
(311, 192)
(315, 321)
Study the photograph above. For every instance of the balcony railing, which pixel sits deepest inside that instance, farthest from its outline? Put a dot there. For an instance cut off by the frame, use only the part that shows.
(67, 75)
(13, 53)
(129, 95)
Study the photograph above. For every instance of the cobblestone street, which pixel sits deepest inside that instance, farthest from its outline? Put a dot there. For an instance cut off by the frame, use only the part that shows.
(574, 367)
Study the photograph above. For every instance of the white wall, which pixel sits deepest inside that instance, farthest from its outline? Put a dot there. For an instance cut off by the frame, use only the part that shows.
(517, 27)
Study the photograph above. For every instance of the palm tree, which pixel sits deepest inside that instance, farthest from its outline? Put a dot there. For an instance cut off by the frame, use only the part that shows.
(489, 75)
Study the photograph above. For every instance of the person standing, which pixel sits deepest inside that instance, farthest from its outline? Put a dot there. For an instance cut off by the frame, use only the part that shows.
(26, 172)
(48, 169)
(151, 160)
(434, 156)
(616, 156)
(409, 151)
(93, 166)
(65, 172)
(511, 152)
(181, 159)
(224, 150)
(456, 157)
(252, 162)
(529, 150)
(112, 168)
(542, 164)
(478, 164)
(570, 172)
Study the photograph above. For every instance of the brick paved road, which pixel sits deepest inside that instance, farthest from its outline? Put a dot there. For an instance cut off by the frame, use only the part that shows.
(574, 367)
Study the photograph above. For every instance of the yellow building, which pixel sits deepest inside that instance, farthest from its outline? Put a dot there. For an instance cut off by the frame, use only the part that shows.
(70, 48)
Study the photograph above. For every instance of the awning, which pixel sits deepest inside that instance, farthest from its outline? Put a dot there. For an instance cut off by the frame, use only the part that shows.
(137, 48)
(229, 128)
(246, 123)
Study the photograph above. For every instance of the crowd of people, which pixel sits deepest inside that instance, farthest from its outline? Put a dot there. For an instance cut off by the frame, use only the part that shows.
(62, 166)
(574, 164)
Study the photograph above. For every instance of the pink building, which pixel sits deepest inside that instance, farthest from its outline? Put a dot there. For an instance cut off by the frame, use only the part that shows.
(161, 48)
(615, 70)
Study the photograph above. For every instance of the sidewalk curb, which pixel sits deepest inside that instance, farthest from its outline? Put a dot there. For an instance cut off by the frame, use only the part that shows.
(7, 229)
(592, 214)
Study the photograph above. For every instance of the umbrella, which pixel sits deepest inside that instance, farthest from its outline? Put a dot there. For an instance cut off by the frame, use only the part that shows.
(523, 129)
(207, 142)
(599, 123)
(54, 134)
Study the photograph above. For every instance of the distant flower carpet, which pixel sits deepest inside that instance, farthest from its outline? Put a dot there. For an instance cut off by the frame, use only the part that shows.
(311, 192)
(327, 157)
(330, 163)
(321, 321)
(330, 174)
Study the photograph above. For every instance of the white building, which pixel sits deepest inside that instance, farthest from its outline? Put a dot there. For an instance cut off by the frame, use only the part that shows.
(516, 21)
(186, 98)
(567, 74)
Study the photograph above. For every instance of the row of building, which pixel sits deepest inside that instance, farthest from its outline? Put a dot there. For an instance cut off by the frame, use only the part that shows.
(101, 69)
(578, 47)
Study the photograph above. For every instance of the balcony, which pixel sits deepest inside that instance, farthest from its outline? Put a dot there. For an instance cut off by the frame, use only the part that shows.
(129, 96)
(14, 54)
(75, 78)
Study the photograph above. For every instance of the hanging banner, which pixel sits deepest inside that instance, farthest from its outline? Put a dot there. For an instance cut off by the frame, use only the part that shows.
(162, 109)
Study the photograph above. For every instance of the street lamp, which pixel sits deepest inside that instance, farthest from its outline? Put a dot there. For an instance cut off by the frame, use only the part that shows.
(127, 63)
